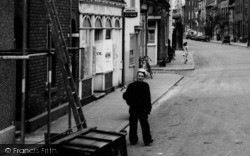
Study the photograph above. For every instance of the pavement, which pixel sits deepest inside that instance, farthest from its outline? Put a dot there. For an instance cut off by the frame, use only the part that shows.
(177, 64)
(110, 113)
(231, 43)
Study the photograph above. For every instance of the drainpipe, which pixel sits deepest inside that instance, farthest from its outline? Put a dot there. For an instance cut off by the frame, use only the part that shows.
(146, 31)
(248, 24)
(24, 73)
(123, 48)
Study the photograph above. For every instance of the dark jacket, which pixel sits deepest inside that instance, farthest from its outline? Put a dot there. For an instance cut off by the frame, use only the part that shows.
(138, 98)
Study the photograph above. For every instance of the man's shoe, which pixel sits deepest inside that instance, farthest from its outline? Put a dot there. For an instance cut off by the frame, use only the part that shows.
(149, 142)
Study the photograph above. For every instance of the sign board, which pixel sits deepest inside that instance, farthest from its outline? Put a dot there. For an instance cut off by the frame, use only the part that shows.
(130, 13)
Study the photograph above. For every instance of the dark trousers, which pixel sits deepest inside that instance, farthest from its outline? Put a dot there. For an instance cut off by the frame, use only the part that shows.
(133, 122)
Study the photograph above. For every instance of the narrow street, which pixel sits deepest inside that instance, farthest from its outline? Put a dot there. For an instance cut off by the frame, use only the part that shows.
(208, 112)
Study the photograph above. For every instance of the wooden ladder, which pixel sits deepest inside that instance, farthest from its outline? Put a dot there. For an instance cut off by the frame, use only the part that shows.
(64, 60)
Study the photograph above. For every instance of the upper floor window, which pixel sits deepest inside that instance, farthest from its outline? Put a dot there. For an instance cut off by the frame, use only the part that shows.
(98, 30)
(117, 24)
(86, 23)
(108, 29)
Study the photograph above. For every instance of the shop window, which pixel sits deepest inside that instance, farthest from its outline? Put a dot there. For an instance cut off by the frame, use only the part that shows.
(108, 34)
(98, 34)
(98, 31)
(85, 54)
(108, 30)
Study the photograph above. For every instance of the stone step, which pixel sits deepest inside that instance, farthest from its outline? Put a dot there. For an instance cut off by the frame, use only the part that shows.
(98, 95)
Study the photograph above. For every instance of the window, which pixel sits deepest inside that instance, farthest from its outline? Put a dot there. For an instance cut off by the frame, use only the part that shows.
(108, 34)
(117, 24)
(109, 29)
(151, 31)
(98, 34)
(151, 24)
(98, 31)
(151, 36)
(86, 23)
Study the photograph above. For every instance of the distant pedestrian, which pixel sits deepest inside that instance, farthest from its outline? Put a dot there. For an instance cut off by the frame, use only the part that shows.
(185, 52)
(171, 51)
(138, 99)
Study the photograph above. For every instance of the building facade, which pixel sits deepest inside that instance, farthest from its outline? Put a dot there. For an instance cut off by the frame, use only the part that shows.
(7, 76)
(241, 20)
(219, 18)
(93, 31)
(190, 17)
(100, 49)
(134, 42)
(38, 37)
(231, 8)
(158, 31)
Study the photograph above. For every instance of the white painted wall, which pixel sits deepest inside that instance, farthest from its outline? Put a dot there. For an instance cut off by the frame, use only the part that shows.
(115, 45)
(171, 28)
(129, 29)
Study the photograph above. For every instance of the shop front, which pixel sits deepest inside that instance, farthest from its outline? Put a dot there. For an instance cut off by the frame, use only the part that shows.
(100, 47)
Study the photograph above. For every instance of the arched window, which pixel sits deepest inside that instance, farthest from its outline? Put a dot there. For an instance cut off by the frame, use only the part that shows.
(98, 23)
(87, 23)
(108, 23)
(117, 24)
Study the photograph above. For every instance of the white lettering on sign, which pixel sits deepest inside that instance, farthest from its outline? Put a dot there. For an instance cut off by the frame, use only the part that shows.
(130, 12)
(99, 9)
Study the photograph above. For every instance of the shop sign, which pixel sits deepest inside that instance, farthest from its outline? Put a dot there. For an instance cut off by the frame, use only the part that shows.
(130, 13)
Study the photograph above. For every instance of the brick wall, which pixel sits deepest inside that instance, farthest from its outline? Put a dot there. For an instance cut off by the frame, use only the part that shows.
(37, 66)
(7, 67)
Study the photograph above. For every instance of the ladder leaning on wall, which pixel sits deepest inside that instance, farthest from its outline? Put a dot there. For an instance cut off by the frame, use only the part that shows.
(64, 60)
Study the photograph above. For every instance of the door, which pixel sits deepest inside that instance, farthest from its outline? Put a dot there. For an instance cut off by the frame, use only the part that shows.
(152, 42)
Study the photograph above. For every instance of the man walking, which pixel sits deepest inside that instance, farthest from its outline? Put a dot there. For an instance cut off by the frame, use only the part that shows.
(138, 99)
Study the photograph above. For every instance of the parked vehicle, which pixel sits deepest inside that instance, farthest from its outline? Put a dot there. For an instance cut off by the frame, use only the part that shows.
(201, 38)
(193, 37)
(226, 40)
(188, 36)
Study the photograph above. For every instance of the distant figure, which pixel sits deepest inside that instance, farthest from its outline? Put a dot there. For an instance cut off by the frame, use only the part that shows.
(185, 52)
(138, 99)
(171, 51)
